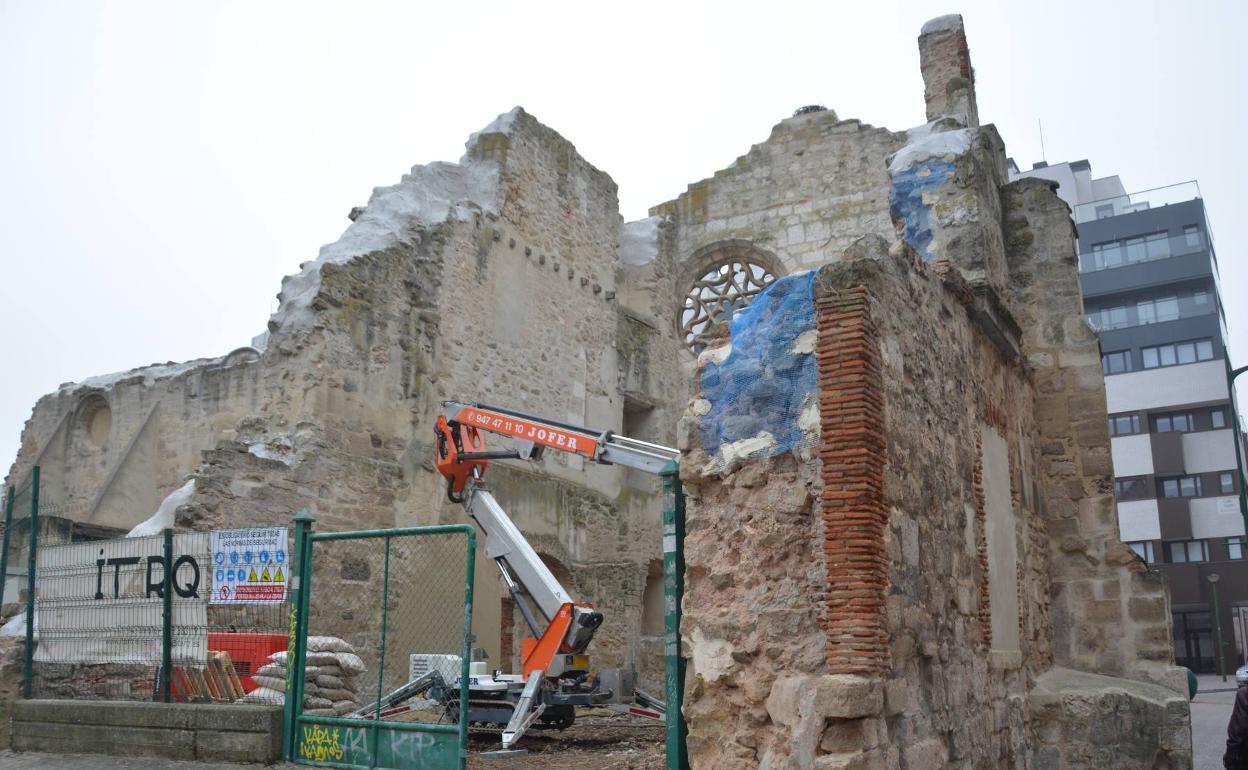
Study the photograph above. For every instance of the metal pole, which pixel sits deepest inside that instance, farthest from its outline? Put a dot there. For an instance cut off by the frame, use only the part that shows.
(4, 546)
(300, 585)
(28, 670)
(466, 655)
(673, 591)
(166, 626)
(1217, 627)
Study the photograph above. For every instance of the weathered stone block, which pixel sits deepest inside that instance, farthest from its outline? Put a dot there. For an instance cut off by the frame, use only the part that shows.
(844, 696)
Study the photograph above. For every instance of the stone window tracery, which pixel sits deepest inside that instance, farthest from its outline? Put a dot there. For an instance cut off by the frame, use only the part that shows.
(726, 279)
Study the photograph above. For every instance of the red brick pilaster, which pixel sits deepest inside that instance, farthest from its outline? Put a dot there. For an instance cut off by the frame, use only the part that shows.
(853, 453)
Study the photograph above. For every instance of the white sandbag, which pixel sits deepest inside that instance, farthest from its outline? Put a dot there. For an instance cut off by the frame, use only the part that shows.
(278, 657)
(333, 670)
(330, 682)
(328, 644)
(317, 703)
(263, 695)
(310, 689)
(344, 707)
(329, 712)
(323, 658)
(351, 663)
(276, 670)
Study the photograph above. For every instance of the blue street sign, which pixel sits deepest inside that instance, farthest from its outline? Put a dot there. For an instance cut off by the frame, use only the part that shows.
(220, 576)
(219, 557)
(264, 557)
(233, 557)
(281, 556)
(247, 556)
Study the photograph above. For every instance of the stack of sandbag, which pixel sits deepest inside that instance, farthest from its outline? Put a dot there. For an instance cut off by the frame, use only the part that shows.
(330, 673)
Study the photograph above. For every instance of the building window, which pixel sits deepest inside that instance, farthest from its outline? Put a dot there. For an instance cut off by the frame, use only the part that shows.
(731, 278)
(1176, 354)
(1218, 418)
(1191, 235)
(1182, 486)
(1124, 425)
(1235, 547)
(1116, 362)
(1201, 298)
(1181, 551)
(1143, 549)
(1105, 211)
(1226, 482)
(1131, 489)
(1174, 423)
(1140, 248)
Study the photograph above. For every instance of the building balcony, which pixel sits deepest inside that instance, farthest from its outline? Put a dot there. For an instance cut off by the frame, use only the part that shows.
(1135, 202)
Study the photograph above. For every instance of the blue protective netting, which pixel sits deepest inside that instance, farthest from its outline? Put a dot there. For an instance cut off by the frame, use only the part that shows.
(906, 202)
(762, 386)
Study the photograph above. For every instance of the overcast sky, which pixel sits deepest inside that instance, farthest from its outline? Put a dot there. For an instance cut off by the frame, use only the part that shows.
(164, 164)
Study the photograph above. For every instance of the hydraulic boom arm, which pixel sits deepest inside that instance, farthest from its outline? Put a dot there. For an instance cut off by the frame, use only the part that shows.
(463, 458)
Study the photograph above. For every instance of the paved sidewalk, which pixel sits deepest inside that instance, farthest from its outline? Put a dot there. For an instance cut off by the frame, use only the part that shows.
(36, 761)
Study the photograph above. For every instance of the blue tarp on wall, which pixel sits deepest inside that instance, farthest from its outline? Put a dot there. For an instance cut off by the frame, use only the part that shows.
(762, 384)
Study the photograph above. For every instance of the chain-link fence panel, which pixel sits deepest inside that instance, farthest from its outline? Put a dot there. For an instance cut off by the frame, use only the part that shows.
(385, 643)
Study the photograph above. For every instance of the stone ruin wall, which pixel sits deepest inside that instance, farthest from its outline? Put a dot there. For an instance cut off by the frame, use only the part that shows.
(512, 299)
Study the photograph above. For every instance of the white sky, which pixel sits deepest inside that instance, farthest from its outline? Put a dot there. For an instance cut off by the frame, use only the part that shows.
(164, 164)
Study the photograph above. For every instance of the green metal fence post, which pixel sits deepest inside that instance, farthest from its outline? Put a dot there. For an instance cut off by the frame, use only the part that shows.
(300, 586)
(166, 624)
(466, 655)
(673, 590)
(28, 669)
(4, 546)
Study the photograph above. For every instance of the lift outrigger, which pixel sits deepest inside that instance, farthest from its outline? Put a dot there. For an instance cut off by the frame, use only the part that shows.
(555, 674)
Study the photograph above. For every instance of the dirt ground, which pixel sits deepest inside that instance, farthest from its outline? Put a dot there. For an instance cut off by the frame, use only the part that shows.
(614, 742)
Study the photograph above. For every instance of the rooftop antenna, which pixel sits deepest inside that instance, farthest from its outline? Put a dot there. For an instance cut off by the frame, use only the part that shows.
(1043, 157)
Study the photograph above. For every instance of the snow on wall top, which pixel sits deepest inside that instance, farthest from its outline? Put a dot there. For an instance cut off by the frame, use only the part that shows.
(945, 23)
(931, 140)
(639, 241)
(428, 195)
(150, 374)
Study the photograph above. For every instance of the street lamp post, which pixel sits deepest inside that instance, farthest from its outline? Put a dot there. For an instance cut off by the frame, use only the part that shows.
(1217, 624)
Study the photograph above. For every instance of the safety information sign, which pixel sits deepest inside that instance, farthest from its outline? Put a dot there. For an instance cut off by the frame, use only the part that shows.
(249, 566)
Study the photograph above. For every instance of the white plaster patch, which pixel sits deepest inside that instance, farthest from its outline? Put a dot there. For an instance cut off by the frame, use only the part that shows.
(500, 125)
(805, 342)
(700, 406)
(740, 450)
(163, 517)
(808, 419)
(280, 448)
(715, 355)
(712, 658)
(639, 241)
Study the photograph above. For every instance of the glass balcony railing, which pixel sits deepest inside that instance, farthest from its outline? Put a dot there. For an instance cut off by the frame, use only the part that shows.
(1140, 201)
(1143, 248)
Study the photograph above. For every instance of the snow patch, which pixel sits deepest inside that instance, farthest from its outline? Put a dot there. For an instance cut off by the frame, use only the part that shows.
(500, 125)
(933, 140)
(429, 195)
(150, 374)
(639, 241)
(163, 518)
(16, 626)
(946, 23)
(281, 449)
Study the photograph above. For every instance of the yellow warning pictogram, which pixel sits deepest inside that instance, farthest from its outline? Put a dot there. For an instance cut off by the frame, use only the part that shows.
(252, 577)
(278, 578)
(264, 576)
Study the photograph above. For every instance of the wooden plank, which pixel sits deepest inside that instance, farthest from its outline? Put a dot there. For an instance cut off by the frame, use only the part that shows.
(236, 684)
(216, 665)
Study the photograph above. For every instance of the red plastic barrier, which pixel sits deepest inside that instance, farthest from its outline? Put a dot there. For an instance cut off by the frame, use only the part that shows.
(248, 651)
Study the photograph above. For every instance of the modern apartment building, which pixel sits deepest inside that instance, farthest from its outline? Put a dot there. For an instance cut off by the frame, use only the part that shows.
(1149, 277)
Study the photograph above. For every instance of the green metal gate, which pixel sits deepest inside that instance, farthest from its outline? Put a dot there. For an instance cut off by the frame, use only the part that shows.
(401, 601)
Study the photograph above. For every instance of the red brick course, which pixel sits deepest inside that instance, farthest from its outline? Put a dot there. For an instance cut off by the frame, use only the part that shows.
(853, 453)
